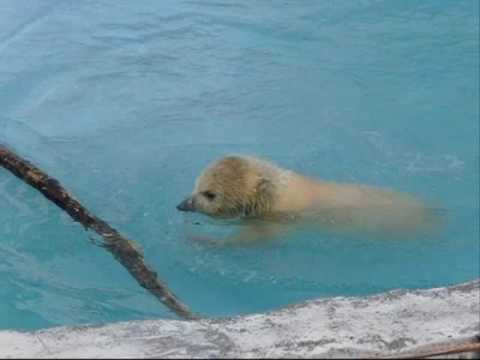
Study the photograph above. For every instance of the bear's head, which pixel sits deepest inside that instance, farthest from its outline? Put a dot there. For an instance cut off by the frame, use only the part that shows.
(234, 186)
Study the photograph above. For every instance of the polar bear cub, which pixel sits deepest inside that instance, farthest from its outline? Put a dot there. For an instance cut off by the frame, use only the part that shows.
(271, 200)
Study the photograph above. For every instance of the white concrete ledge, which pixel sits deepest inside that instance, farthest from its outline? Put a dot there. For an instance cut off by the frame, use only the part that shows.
(399, 320)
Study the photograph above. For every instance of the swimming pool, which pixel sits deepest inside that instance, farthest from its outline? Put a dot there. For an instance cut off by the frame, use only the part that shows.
(126, 102)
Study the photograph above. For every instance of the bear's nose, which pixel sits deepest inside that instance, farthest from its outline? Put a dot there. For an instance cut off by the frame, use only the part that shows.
(186, 205)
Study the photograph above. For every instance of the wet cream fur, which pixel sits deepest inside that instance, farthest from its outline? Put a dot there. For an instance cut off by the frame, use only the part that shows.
(273, 200)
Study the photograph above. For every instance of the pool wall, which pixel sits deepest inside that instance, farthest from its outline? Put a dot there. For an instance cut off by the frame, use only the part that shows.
(378, 325)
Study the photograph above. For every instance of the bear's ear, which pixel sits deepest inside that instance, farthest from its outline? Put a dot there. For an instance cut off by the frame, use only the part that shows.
(263, 185)
(259, 201)
(264, 195)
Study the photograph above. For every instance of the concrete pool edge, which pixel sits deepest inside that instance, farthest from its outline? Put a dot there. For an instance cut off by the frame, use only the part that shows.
(399, 320)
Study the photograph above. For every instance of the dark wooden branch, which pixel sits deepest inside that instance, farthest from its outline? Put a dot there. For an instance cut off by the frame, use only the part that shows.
(121, 248)
(471, 345)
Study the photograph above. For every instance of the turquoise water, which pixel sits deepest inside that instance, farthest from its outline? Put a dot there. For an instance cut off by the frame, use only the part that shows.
(125, 102)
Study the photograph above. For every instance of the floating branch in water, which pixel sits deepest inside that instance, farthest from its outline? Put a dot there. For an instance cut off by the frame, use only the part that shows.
(122, 248)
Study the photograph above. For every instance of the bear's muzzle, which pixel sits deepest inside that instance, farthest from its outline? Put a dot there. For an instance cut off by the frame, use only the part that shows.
(186, 205)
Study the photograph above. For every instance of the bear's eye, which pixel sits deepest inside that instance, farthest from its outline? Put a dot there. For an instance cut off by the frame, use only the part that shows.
(209, 195)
